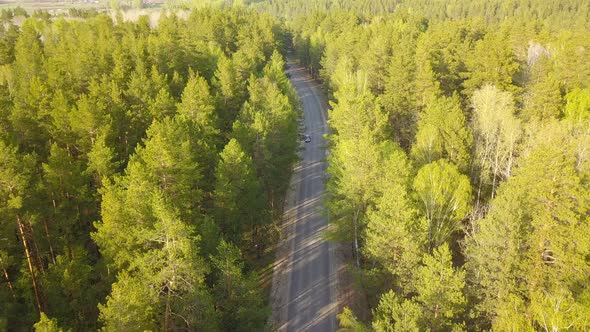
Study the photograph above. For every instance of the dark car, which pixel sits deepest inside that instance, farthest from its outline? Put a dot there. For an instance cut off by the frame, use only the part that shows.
(307, 138)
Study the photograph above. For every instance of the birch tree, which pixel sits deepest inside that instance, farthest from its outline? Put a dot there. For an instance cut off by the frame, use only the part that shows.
(497, 133)
(445, 197)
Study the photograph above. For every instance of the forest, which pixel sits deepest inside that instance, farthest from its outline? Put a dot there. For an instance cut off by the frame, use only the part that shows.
(142, 170)
(458, 158)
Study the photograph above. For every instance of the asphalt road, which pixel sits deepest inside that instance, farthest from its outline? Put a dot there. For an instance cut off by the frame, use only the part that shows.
(311, 300)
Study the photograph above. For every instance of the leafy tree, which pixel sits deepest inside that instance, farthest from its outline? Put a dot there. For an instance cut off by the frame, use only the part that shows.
(445, 196)
(349, 323)
(46, 324)
(497, 133)
(577, 107)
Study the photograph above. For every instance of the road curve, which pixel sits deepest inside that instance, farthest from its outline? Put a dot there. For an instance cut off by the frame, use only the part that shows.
(311, 301)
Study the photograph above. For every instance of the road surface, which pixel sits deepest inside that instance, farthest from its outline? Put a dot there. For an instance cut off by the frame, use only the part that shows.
(311, 302)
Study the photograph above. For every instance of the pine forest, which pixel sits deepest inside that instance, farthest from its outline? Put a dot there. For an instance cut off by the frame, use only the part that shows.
(144, 164)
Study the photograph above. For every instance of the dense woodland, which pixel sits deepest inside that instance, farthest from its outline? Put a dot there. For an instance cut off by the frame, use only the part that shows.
(459, 165)
(142, 170)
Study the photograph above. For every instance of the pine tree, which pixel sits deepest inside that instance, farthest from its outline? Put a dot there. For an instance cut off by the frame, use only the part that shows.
(442, 133)
(492, 62)
(16, 173)
(439, 301)
(198, 106)
(237, 293)
(395, 237)
(238, 197)
(534, 229)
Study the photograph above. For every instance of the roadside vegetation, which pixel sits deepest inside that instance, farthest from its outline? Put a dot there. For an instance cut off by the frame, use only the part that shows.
(143, 166)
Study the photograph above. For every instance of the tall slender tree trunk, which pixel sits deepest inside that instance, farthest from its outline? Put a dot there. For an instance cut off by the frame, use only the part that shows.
(495, 172)
(167, 313)
(21, 229)
(7, 278)
(35, 250)
(49, 240)
(356, 242)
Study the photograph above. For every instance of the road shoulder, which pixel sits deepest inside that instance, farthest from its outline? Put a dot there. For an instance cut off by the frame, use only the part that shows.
(281, 277)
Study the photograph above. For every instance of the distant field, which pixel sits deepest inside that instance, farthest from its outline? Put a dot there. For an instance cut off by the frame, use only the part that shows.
(53, 5)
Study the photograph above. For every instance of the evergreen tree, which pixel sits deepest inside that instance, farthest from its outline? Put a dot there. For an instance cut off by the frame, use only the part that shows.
(237, 294)
(442, 133)
(492, 62)
(532, 230)
(238, 197)
(439, 301)
(198, 106)
(46, 324)
(395, 237)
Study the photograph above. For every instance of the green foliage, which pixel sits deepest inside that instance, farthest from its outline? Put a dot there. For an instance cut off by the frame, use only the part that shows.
(349, 323)
(497, 133)
(267, 130)
(578, 105)
(534, 229)
(492, 63)
(445, 197)
(179, 135)
(122, 124)
(240, 202)
(198, 106)
(237, 293)
(395, 237)
(440, 290)
(69, 296)
(46, 324)
(395, 314)
(442, 133)
(439, 302)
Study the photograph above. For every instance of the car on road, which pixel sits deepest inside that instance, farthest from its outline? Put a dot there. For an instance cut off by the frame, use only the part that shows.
(307, 138)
